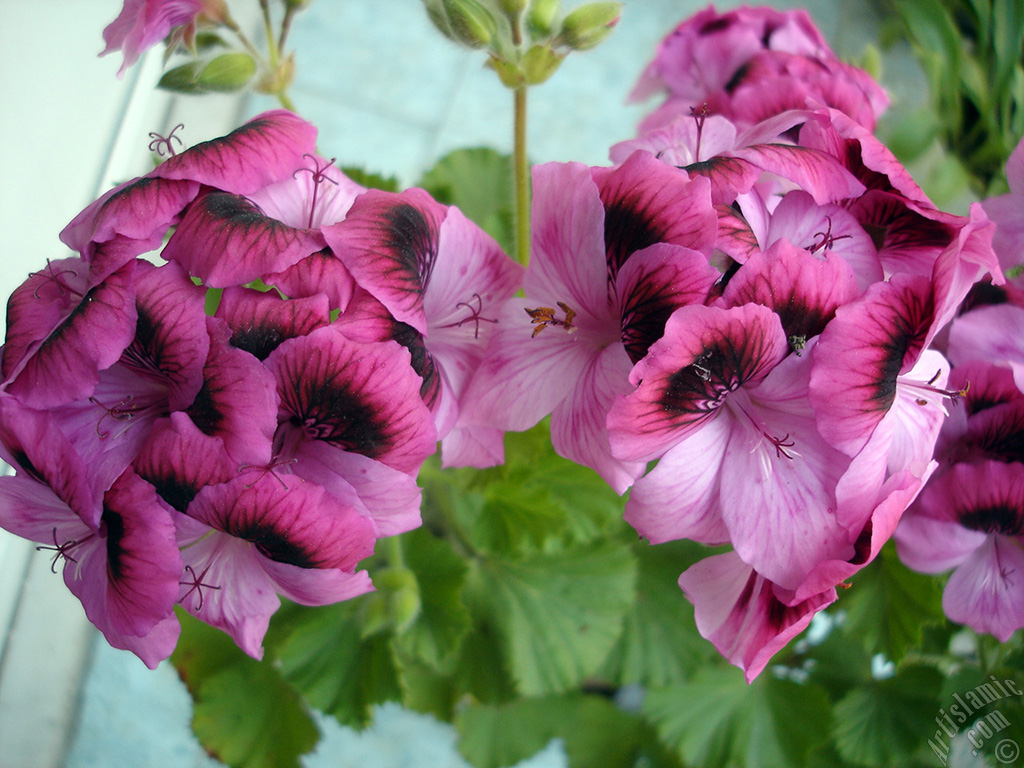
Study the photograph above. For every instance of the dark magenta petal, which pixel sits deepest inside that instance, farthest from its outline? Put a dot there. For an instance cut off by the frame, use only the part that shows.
(171, 340)
(652, 285)
(648, 202)
(261, 320)
(801, 288)
(868, 344)
(706, 353)
(389, 242)
(127, 575)
(729, 176)
(237, 401)
(908, 237)
(179, 460)
(266, 149)
(59, 338)
(320, 272)
(298, 523)
(363, 397)
(135, 216)
(33, 444)
(224, 239)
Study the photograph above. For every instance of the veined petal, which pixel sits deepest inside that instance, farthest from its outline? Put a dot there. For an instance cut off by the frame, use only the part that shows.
(578, 429)
(652, 285)
(817, 173)
(737, 610)
(224, 239)
(268, 148)
(361, 397)
(861, 353)
(237, 401)
(300, 524)
(320, 272)
(523, 377)
(389, 498)
(316, 586)
(261, 320)
(315, 195)
(802, 289)
(389, 243)
(55, 356)
(647, 202)
(127, 577)
(179, 460)
(171, 341)
(985, 591)
(705, 354)
(568, 250)
(679, 497)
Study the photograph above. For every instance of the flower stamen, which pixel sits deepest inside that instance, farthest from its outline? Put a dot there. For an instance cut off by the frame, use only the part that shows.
(269, 469)
(542, 317)
(122, 412)
(827, 238)
(57, 278)
(61, 550)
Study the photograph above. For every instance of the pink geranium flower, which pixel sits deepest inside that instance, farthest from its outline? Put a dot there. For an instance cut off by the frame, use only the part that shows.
(144, 23)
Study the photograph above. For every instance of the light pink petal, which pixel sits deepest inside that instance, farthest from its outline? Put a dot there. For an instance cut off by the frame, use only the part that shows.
(567, 261)
(985, 591)
(315, 195)
(679, 497)
(993, 333)
(473, 446)
(317, 586)
(578, 429)
(737, 610)
(523, 378)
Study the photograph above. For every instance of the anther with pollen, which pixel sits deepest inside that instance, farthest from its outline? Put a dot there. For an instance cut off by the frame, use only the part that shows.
(954, 395)
(542, 317)
(161, 143)
(319, 175)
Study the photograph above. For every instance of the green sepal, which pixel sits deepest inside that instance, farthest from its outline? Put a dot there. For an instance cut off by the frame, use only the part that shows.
(227, 73)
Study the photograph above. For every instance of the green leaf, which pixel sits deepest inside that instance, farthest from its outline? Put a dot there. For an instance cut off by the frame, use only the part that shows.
(481, 669)
(245, 714)
(478, 182)
(660, 644)
(338, 671)
(888, 604)
(443, 619)
(595, 732)
(881, 723)
(558, 614)
(536, 501)
(247, 717)
(717, 719)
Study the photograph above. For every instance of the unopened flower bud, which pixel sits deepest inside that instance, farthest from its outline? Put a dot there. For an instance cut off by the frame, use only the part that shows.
(471, 23)
(540, 19)
(215, 11)
(511, 75)
(589, 24)
(512, 8)
(227, 72)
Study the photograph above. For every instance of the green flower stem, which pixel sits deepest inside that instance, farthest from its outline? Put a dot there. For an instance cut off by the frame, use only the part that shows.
(395, 556)
(522, 179)
(286, 101)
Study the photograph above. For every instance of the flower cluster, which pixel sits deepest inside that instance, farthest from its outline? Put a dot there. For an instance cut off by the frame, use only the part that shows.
(970, 517)
(242, 416)
(754, 301)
